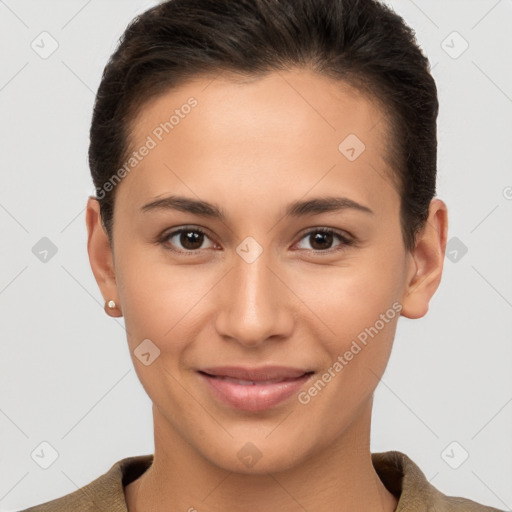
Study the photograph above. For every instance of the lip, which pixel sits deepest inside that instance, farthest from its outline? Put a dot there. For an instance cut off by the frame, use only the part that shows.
(254, 389)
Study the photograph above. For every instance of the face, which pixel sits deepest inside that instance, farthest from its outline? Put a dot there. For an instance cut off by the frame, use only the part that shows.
(271, 310)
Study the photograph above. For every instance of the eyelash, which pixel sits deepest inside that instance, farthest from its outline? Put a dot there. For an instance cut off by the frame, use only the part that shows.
(345, 241)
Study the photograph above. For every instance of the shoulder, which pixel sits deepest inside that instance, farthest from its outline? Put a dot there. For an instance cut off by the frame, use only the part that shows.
(104, 493)
(404, 479)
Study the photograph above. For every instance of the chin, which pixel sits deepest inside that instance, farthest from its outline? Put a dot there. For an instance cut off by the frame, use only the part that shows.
(258, 457)
(268, 463)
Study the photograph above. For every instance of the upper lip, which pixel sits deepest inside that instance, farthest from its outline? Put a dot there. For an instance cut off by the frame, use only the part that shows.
(262, 373)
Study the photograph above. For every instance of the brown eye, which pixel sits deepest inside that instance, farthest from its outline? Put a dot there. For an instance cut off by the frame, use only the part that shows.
(191, 240)
(186, 239)
(321, 240)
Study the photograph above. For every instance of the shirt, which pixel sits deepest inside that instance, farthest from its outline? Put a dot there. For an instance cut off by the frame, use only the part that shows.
(400, 475)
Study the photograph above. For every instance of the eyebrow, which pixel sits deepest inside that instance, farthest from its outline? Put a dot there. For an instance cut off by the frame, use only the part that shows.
(313, 206)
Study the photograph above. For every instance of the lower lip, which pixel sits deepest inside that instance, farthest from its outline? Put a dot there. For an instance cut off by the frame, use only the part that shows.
(253, 397)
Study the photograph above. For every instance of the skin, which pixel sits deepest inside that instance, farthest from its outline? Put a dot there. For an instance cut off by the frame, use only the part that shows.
(251, 148)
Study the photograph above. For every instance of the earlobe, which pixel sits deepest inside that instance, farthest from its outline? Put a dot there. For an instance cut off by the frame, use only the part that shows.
(427, 262)
(101, 257)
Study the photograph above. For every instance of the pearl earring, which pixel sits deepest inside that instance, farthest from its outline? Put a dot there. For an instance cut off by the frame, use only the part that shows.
(111, 304)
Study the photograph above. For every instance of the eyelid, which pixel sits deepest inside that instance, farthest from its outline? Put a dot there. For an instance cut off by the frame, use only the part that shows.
(326, 229)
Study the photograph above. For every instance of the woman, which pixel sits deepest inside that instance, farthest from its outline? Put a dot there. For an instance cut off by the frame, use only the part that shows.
(265, 174)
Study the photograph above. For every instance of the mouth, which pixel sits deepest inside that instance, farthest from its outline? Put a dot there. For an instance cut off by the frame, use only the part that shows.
(255, 389)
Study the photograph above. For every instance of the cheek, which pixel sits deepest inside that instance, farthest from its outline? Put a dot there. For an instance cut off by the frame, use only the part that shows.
(360, 305)
(159, 301)
(369, 320)
(363, 316)
(351, 297)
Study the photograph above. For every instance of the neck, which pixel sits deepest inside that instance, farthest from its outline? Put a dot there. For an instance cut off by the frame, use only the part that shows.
(341, 478)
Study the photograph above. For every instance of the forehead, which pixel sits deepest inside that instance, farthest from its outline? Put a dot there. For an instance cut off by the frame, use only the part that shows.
(285, 132)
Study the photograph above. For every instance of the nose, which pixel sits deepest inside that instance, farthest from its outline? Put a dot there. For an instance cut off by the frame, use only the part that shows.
(253, 303)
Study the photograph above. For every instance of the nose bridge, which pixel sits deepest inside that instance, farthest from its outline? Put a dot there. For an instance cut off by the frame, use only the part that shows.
(253, 306)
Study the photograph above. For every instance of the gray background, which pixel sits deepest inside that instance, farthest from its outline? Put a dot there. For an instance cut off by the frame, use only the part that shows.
(66, 377)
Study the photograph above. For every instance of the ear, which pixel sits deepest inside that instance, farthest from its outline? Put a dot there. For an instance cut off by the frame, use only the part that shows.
(427, 259)
(101, 256)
